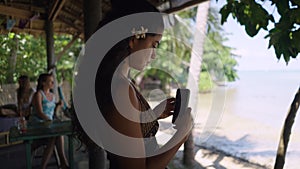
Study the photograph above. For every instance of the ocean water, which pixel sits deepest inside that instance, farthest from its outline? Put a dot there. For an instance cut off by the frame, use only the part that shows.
(248, 116)
(264, 96)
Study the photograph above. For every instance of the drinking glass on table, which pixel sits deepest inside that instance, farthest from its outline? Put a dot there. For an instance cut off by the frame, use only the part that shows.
(21, 124)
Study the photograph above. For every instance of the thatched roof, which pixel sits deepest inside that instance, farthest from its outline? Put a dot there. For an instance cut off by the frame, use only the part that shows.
(67, 15)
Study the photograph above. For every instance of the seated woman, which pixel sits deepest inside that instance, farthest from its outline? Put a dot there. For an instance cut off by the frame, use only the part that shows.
(24, 96)
(44, 105)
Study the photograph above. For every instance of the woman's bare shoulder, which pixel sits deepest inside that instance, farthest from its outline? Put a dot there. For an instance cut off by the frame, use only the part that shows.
(123, 86)
(37, 94)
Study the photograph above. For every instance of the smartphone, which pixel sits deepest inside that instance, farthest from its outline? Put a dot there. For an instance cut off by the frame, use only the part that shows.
(181, 102)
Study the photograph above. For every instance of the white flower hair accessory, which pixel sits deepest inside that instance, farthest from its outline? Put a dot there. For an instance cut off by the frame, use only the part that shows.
(139, 34)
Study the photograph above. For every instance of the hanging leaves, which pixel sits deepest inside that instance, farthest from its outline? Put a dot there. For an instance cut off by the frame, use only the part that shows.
(248, 13)
(284, 34)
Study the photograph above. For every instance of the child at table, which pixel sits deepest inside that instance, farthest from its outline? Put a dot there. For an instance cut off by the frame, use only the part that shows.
(44, 105)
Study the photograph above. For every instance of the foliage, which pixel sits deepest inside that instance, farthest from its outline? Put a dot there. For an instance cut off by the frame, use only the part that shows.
(65, 65)
(283, 34)
(176, 58)
(205, 83)
(218, 60)
(31, 56)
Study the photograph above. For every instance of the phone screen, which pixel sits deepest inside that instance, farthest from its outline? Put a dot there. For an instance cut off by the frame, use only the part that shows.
(181, 102)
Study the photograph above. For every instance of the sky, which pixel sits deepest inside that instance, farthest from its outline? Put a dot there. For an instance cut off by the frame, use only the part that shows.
(254, 51)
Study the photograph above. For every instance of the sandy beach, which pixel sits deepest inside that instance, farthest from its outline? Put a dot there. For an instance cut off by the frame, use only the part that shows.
(246, 138)
(233, 133)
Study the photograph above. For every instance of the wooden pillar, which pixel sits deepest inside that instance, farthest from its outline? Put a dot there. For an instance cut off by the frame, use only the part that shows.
(92, 15)
(50, 44)
(51, 59)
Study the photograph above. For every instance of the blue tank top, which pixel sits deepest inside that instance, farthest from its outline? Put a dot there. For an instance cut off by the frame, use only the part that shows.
(47, 106)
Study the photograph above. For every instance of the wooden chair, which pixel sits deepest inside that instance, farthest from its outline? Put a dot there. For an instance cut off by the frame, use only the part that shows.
(4, 139)
(5, 124)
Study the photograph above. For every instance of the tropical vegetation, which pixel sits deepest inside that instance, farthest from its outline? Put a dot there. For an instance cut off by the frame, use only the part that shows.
(24, 54)
(279, 18)
(218, 61)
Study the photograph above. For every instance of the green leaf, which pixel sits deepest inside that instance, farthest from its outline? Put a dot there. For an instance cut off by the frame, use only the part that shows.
(274, 35)
(277, 51)
(225, 11)
(295, 2)
(295, 16)
(282, 6)
(295, 41)
(286, 57)
(251, 30)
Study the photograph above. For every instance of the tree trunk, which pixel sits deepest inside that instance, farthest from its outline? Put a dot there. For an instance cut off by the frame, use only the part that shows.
(286, 132)
(188, 156)
(13, 60)
(194, 73)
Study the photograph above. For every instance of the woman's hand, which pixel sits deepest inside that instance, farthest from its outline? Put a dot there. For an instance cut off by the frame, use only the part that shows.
(183, 125)
(165, 108)
(60, 103)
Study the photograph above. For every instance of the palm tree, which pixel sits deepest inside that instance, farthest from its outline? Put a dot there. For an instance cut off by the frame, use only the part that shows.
(194, 72)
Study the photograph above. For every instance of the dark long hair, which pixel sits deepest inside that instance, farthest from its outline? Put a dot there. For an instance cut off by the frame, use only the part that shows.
(24, 85)
(114, 56)
(42, 78)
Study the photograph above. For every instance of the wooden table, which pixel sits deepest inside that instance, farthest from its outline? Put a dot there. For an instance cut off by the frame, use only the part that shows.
(43, 130)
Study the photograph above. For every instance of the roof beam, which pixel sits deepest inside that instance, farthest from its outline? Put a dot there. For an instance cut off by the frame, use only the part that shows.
(59, 8)
(157, 2)
(11, 11)
(56, 9)
(77, 4)
(23, 6)
(39, 31)
(70, 23)
(72, 16)
(52, 10)
(184, 6)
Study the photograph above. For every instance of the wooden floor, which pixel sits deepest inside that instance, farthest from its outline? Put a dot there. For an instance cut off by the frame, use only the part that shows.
(13, 157)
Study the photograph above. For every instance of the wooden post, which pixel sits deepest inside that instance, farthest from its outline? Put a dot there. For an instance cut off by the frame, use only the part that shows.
(286, 132)
(50, 44)
(92, 15)
(51, 60)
